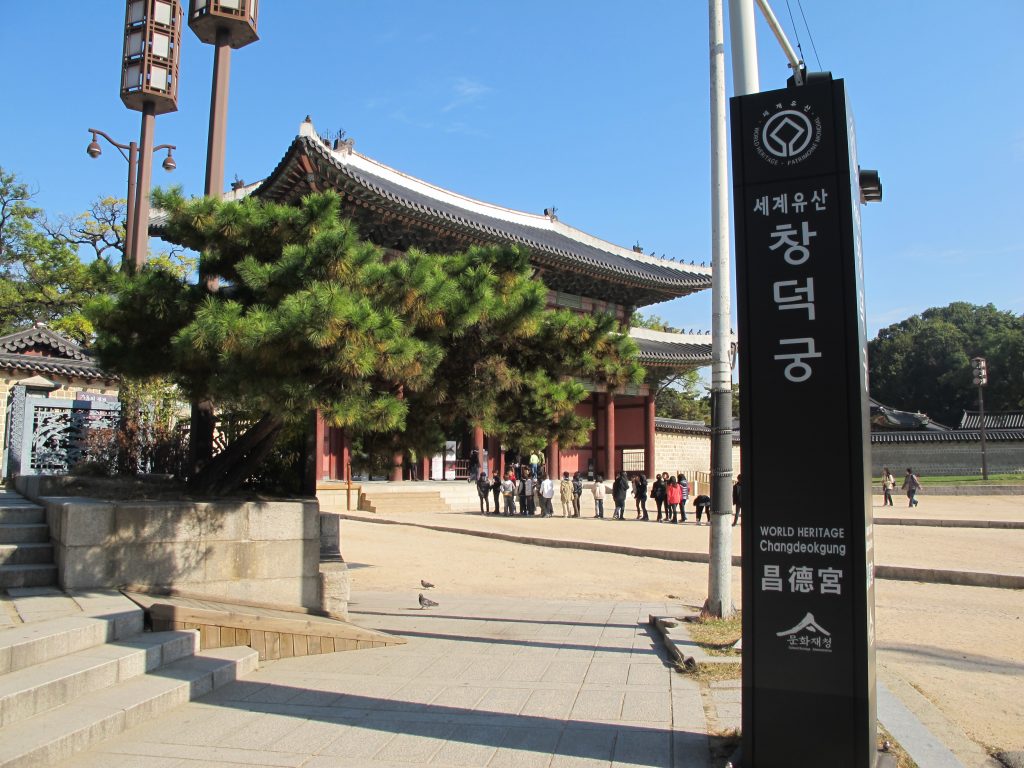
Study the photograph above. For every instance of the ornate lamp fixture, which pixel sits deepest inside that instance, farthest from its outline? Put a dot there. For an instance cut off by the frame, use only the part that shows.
(149, 84)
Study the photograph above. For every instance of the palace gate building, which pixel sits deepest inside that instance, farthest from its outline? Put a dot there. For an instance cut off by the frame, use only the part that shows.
(396, 212)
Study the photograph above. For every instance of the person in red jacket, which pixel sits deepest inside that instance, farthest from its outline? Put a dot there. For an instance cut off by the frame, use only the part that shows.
(674, 496)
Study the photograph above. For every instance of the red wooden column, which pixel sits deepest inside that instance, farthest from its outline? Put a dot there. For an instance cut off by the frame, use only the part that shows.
(425, 468)
(493, 456)
(323, 448)
(478, 444)
(609, 439)
(399, 456)
(346, 456)
(649, 436)
(553, 461)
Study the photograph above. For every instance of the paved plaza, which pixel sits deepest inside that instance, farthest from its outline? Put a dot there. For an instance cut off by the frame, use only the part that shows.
(481, 682)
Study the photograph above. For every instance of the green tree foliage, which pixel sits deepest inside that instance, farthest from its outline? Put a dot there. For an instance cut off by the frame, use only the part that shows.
(42, 278)
(923, 363)
(309, 316)
(683, 399)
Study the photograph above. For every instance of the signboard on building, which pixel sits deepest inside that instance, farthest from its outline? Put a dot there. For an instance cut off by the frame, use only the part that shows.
(808, 594)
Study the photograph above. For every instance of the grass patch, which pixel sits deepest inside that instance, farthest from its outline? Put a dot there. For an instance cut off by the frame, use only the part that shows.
(712, 673)
(716, 636)
(903, 760)
(1002, 479)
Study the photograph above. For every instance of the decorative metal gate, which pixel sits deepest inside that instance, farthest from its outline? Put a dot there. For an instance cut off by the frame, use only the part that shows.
(48, 436)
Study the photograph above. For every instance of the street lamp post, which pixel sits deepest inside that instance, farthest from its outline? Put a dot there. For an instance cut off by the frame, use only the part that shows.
(980, 367)
(225, 24)
(130, 152)
(149, 84)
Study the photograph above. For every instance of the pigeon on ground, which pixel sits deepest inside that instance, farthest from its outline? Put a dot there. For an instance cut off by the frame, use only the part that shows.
(426, 584)
(426, 602)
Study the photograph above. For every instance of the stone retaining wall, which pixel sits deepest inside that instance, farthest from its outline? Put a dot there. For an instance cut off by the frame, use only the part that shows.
(948, 458)
(260, 552)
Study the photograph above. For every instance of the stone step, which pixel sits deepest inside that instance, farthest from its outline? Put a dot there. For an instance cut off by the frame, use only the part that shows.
(28, 575)
(24, 645)
(24, 533)
(22, 513)
(26, 554)
(52, 736)
(41, 687)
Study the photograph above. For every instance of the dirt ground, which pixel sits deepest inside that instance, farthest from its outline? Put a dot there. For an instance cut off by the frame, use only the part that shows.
(960, 647)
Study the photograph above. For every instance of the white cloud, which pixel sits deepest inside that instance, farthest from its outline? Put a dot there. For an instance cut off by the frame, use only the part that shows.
(465, 91)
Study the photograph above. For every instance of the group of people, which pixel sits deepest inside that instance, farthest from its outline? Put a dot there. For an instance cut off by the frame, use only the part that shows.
(525, 493)
(911, 485)
(530, 492)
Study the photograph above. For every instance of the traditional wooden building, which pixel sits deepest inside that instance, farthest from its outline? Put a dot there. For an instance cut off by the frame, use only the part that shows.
(397, 211)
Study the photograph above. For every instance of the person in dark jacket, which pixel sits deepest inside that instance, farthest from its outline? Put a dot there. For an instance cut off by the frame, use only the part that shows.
(577, 492)
(483, 490)
(641, 496)
(496, 491)
(523, 497)
(658, 493)
(620, 488)
(702, 504)
(736, 498)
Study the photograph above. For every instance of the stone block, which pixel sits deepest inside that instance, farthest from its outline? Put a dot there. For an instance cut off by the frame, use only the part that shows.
(178, 521)
(85, 522)
(283, 520)
(335, 589)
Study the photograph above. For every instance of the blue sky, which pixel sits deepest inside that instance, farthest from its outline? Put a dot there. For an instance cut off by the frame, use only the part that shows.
(598, 108)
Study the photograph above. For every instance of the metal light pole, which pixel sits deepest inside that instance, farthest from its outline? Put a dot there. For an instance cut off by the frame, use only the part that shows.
(130, 152)
(719, 602)
(981, 380)
(149, 84)
(226, 24)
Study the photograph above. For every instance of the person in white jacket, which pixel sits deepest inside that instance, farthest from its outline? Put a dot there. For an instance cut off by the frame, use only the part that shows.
(598, 490)
(547, 493)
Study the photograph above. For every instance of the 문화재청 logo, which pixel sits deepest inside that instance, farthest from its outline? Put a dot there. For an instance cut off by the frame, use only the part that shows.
(787, 134)
(807, 635)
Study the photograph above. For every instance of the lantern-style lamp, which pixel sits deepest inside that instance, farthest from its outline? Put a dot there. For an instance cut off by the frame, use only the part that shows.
(149, 68)
(236, 19)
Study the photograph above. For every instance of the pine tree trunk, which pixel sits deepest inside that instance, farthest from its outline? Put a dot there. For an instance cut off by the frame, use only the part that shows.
(229, 468)
(202, 424)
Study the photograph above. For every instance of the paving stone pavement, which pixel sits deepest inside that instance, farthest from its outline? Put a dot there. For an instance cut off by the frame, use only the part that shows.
(481, 682)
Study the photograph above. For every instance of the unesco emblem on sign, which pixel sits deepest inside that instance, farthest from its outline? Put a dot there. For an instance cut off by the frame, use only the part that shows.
(788, 135)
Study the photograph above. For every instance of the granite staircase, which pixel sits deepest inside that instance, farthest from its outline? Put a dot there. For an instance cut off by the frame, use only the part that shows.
(26, 555)
(85, 675)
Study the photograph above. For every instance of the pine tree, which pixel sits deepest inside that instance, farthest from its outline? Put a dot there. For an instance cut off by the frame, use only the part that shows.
(308, 316)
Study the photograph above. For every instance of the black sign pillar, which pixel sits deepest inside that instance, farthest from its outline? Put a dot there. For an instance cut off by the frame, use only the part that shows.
(808, 583)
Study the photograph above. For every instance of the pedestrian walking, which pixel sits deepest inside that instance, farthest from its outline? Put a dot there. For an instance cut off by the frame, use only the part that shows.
(483, 490)
(598, 491)
(523, 495)
(547, 492)
(736, 499)
(911, 484)
(577, 493)
(684, 488)
(538, 500)
(620, 488)
(888, 484)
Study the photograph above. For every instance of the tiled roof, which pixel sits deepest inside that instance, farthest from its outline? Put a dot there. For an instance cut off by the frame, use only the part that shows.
(948, 436)
(681, 426)
(57, 355)
(39, 336)
(666, 348)
(997, 420)
(553, 245)
(86, 369)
